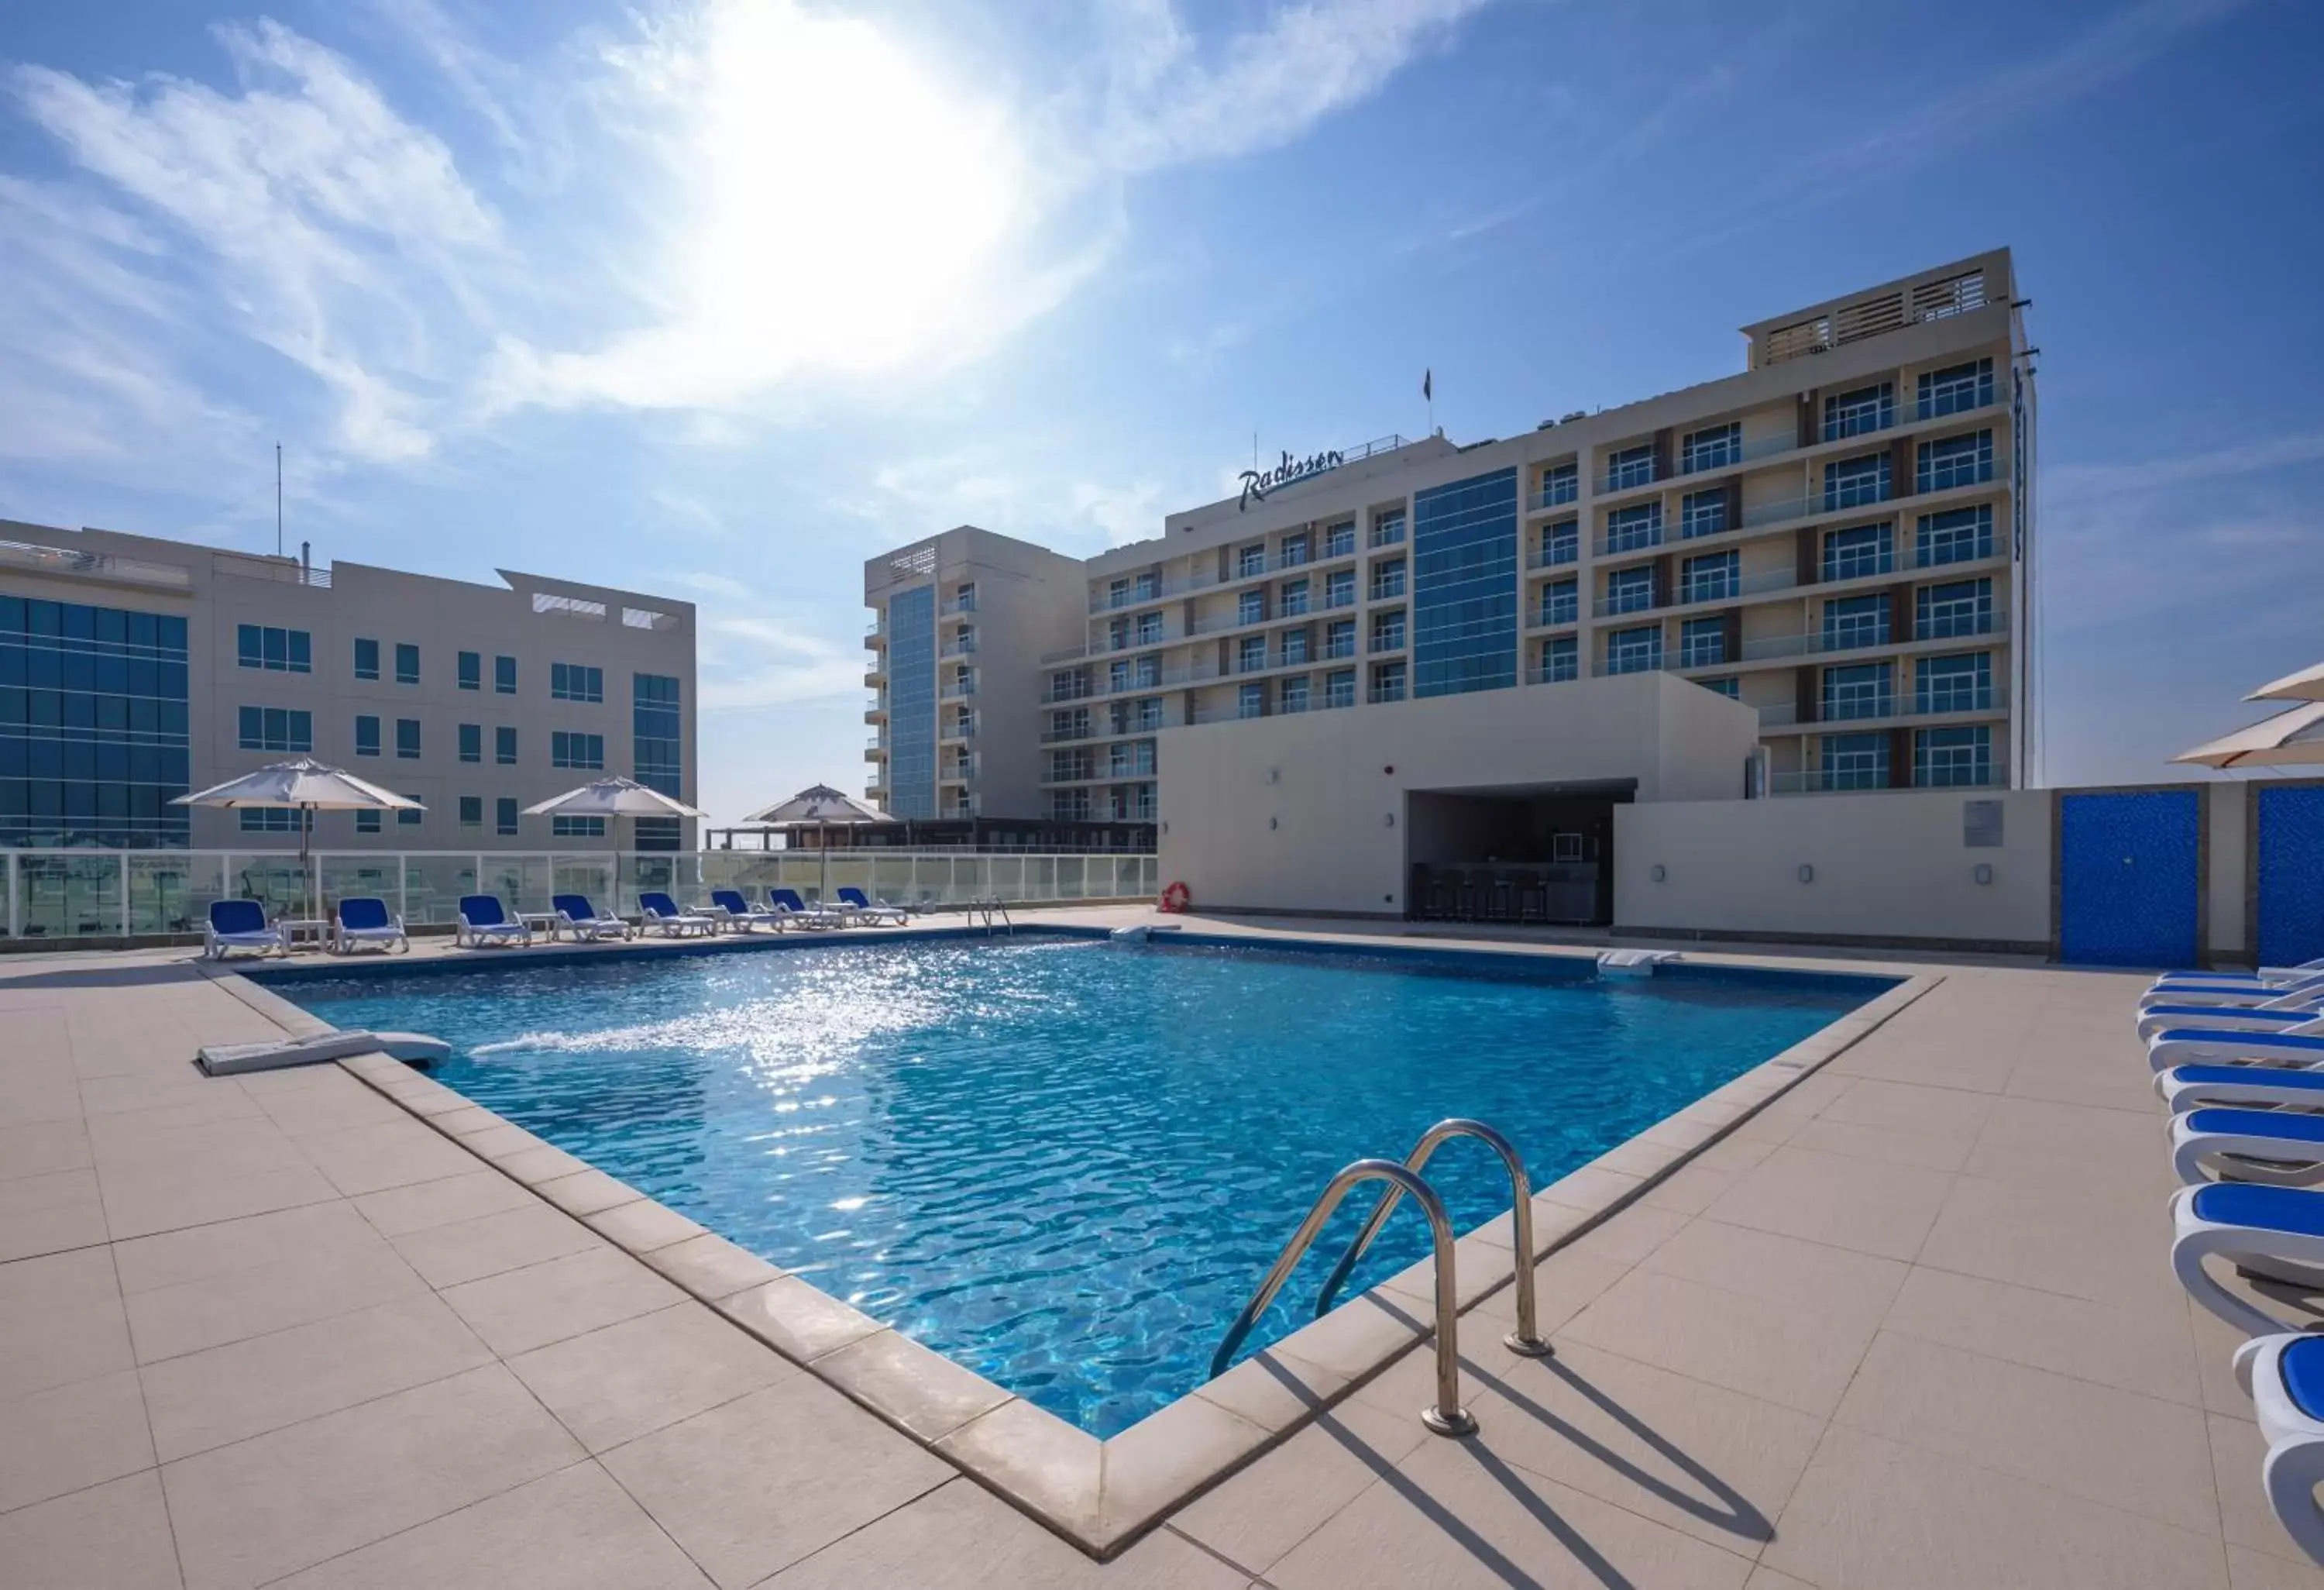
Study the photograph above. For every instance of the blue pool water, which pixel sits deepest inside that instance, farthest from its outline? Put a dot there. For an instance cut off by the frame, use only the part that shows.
(1065, 1164)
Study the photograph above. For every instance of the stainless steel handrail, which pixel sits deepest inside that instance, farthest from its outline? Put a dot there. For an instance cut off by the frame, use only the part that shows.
(1525, 1339)
(1446, 1417)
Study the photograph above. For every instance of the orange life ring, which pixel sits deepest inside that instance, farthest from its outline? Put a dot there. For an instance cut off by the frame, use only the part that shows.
(1175, 897)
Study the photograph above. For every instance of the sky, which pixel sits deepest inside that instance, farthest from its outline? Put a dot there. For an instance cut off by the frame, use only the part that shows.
(716, 299)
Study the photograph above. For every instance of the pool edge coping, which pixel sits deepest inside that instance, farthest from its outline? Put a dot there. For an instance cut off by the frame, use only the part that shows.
(1100, 1496)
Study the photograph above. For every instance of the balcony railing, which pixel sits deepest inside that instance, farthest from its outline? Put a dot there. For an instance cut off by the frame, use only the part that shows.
(1381, 693)
(1747, 452)
(957, 607)
(1993, 774)
(1553, 673)
(1387, 590)
(1080, 690)
(1857, 639)
(1386, 641)
(1629, 476)
(1555, 495)
(958, 691)
(1641, 600)
(1934, 703)
(1065, 735)
(1555, 615)
(1555, 554)
(1635, 539)
(1143, 639)
(1344, 596)
(1387, 535)
(964, 646)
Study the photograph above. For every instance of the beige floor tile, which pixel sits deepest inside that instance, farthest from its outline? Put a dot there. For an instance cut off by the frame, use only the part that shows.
(1767, 1579)
(1566, 1283)
(746, 1494)
(127, 1132)
(174, 1258)
(372, 1159)
(521, 1309)
(49, 1214)
(1848, 1203)
(143, 1200)
(345, 1106)
(2073, 1147)
(710, 1267)
(309, 1284)
(575, 1530)
(2256, 1570)
(110, 1537)
(2086, 1244)
(616, 1385)
(1854, 1291)
(916, 1387)
(60, 1321)
(246, 1388)
(2144, 1350)
(1927, 1147)
(261, 1508)
(1253, 1518)
(585, 1192)
(1455, 1514)
(2114, 1447)
(402, 1210)
(470, 1249)
(66, 1436)
(1629, 1236)
(1902, 1107)
(44, 1148)
(1872, 1514)
(1794, 1356)
(644, 1226)
(2245, 1518)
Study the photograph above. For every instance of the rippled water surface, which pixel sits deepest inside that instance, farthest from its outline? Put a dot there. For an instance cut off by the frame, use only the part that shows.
(1062, 1163)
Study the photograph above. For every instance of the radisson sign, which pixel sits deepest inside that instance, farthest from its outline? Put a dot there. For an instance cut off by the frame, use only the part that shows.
(1258, 483)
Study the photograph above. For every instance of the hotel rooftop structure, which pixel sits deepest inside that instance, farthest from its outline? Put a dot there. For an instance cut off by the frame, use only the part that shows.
(1836, 537)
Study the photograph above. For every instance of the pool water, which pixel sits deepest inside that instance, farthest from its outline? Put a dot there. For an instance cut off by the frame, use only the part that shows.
(1062, 1163)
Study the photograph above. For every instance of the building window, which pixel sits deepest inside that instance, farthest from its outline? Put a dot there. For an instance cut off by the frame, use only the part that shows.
(1387, 681)
(1388, 529)
(406, 738)
(366, 660)
(1560, 659)
(1962, 607)
(1731, 687)
(1952, 757)
(367, 822)
(1560, 602)
(1712, 577)
(574, 682)
(1251, 561)
(1957, 535)
(505, 745)
(1860, 690)
(1294, 697)
(1628, 528)
(1387, 580)
(1957, 460)
(576, 749)
(1251, 701)
(274, 728)
(1340, 588)
(1856, 761)
(1149, 714)
(1295, 597)
(1149, 629)
(1339, 687)
(503, 675)
(1250, 607)
(1117, 592)
(1860, 550)
(1117, 634)
(366, 736)
(1560, 484)
(1295, 647)
(408, 817)
(576, 828)
(472, 812)
(1340, 540)
(1851, 483)
(657, 752)
(1560, 543)
(1703, 513)
(1703, 642)
(1630, 467)
(1860, 412)
(964, 600)
(1712, 448)
(472, 741)
(1250, 653)
(1956, 389)
(277, 651)
(407, 663)
(269, 819)
(1961, 683)
(1629, 590)
(1117, 676)
(471, 671)
(1849, 621)
(1635, 650)
(94, 741)
(1387, 630)
(1294, 549)
(504, 817)
(1340, 638)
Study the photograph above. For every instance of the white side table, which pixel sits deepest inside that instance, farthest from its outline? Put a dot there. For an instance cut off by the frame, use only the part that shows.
(303, 932)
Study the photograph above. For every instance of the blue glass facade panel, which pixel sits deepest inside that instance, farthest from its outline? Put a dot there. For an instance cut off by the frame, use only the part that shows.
(94, 741)
(658, 751)
(1464, 585)
(912, 703)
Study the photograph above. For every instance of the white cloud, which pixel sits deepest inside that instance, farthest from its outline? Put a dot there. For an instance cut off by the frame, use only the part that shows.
(748, 661)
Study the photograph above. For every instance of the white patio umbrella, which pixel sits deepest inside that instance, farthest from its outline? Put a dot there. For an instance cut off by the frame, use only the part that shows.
(2288, 739)
(610, 799)
(823, 809)
(306, 786)
(2307, 685)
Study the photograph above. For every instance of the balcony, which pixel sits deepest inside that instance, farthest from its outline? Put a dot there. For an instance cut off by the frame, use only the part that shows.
(961, 646)
(877, 635)
(1336, 650)
(1931, 703)
(958, 607)
(1387, 590)
(1162, 678)
(1630, 477)
(1557, 493)
(1555, 616)
(1558, 671)
(874, 676)
(1993, 774)
(1640, 537)
(877, 745)
(1640, 600)
(1390, 534)
(1080, 731)
(1860, 638)
(1555, 554)
(957, 691)
(1386, 641)
(1381, 693)
(1342, 596)
(963, 727)
(1711, 460)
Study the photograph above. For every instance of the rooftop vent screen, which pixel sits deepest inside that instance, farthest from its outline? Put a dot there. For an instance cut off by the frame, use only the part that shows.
(645, 618)
(1955, 295)
(1792, 342)
(1869, 317)
(571, 607)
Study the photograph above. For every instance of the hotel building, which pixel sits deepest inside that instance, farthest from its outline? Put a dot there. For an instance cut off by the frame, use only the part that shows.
(1836, 537)
(133, 669)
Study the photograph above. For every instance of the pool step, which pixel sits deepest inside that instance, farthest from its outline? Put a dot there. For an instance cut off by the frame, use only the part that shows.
(1632, 963)
(228, 1059)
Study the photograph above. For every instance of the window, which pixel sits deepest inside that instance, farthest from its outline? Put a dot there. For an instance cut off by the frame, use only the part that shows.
(1628, 528)
(1250, 607)
(1149, 714)
(407, 663)
(471, 671)
(1340, 540)
(472, 812)
(1148, 586)
(505, 746)
(1560, 659)
(1295, 597)
(1295, 696)
(1340, 638)
(1388, 529)
(406, 738)
(273, 728)
(576, 828)
(1853, 482)
(1962, 607)
(503, 675)
(1294, 549)
(1250, 652)
(1856, 621)
(1714, 448)
(1731, 687)
(964, 600)
(94, 729)
(1961, 683)
(1560, 484)
(1388, 579)
(366, 736)
(1387, 681)
(576, 749)
(269, 819)
(1856, 761)
(1251, 701)
(1856, 551)
(1952, 757)
(472, 741)
(408, 817)
(1635, 650)
(1149, 629)
(1251, 561)
(1117, 676)
(1630, 467)
(1860, 412)
(1703, 512)
(1339, 687)
(277, 651)
(1340, 588)
(1956, 389)
(573, 681)
(1295, 646)
(367, 822)
(1387, 630)
(1560, 602)
(1860, 690)
(366, 660)
(1629, 590)
(1957, 460)
(1703, 642)
(1560, 543)
(505, 816)
(1117, 592)
(1957, 535)
(1117, 634)
(1712, 577)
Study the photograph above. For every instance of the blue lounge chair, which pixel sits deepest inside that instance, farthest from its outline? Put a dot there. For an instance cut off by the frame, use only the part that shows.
(2283, 1375)
(239, 924)
(864, 910)
(365, 920)
(2193, 1088)
(741, 914)
(483, 922)
(790, 908)
(2266, 976)
(2186, 1045)
(2275, 1148)
(2156, 1018)
(576, 915)
(660, 915)
(2304, 991)
(2277, 1232)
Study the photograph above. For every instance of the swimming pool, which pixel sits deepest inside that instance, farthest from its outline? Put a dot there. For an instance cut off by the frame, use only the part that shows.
(1064, 1163)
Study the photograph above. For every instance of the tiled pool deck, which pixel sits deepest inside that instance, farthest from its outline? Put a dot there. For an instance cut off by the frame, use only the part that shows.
(1909, 1324)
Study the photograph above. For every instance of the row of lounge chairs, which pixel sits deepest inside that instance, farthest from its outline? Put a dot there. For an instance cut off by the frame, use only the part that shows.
(2240, 1059)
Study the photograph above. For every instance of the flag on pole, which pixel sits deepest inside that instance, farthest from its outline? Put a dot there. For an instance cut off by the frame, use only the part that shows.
(1428, 384)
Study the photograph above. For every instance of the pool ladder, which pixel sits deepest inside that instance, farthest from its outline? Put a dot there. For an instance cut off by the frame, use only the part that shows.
(989, 907)
(1446, 1415)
